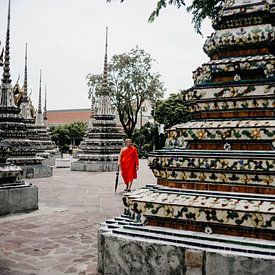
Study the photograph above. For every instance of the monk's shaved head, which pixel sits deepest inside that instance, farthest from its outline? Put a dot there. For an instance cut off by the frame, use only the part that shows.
(128, 141)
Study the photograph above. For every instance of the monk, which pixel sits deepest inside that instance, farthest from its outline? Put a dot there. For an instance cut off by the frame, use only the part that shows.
(128, 162)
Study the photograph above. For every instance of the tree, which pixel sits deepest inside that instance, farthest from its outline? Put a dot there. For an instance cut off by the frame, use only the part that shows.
(68, 133)
(171, 111)
(147, 138)
(60, 135)
(77, 131)
(200, 9)
(131, 82)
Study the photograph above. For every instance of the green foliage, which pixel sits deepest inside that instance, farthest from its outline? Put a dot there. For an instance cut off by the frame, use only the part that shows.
(62, 134)
(77, 129)
(200, 9)
(163, 4)
(131, 82)
(171, 111)
(147, 138)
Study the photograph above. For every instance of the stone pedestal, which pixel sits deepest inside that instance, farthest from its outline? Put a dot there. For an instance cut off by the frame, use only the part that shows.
(63, 163)
(119, 256)
(37, 171)
(99, 166)
(49, 159)
(125, 247)
(18, 198)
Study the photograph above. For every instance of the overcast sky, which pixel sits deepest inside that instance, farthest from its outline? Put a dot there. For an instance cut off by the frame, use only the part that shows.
(66, 40)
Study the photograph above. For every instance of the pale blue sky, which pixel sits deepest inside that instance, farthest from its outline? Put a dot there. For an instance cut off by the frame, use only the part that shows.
(66, 40)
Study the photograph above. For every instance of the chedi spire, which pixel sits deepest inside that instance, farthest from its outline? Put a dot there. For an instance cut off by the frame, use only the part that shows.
(7, 96)
(25, 95)
(39, 115)
(6, 66)
(45, 116)
(103, 101)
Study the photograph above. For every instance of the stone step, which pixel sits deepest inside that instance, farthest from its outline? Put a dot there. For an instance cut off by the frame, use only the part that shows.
(197, 240)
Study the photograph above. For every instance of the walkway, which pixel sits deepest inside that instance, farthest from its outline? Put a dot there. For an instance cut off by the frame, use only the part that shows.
(61, 237)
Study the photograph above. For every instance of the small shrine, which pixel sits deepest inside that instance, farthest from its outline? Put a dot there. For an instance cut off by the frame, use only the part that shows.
(13, 125)
(103, 140)
(213, 208)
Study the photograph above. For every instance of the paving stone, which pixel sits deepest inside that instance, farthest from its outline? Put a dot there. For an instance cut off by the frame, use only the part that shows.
(61, 237)
(71, 270)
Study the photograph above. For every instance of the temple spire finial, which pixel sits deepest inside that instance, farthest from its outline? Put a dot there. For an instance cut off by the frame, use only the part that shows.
(105, 70)
(25, 96)
(6, 66)
(1, 56)
(39, 111)
(45, 105)
(39, 116)
(45, 116)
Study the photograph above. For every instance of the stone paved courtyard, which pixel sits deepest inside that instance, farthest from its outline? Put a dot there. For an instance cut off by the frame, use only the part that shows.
(61, 237)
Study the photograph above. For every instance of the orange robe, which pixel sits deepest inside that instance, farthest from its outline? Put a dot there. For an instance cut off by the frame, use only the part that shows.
(128, 164)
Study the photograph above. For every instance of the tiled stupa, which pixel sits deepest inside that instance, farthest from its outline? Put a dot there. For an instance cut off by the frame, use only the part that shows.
(37, 130)
(15, 194)
(41, 126)
(103, 139)
(15, 132)
(216, 176)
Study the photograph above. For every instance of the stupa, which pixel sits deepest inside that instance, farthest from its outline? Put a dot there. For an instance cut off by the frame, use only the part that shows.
(37, 130)
(15, 194)
(103, 140)
(41, 125)
(12, 124)
(213, 208)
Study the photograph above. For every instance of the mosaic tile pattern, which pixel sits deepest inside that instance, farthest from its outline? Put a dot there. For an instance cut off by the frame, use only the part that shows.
(235, 210)
(204, 73)
(234, 91)
(179, 135)
(228, 17)
(244, 35)
(225, 105)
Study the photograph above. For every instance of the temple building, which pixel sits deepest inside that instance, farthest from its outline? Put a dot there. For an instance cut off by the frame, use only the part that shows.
(13, 125)
(103, 139)
(15, 194)
(213, 208)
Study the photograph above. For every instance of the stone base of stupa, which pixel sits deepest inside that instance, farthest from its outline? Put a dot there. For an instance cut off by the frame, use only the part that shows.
(125, 247)
(37, 171)
(49, 159)
(16, 198)
(33, 167)
(94, 166)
